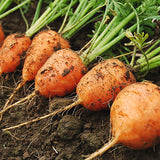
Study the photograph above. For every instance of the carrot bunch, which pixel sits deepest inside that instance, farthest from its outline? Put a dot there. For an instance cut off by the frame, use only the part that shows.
(16, 44)
(47, 42)
(108, 82)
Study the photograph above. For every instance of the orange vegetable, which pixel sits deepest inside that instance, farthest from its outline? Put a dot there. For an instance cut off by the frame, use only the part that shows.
(99, 87)
(11, 50)
(43, 45)
(60, 74)
(135, 116)
(2, 36)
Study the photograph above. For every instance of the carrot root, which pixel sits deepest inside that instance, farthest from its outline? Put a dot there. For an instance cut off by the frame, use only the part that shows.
(44, 117)
(18, 102)
(103, 149)
(12, 95)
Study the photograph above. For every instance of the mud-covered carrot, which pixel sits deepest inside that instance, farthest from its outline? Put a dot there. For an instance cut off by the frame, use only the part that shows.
(60, 74)
(43, 46)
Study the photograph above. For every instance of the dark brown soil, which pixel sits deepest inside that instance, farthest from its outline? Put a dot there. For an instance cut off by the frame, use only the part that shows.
(66, 136)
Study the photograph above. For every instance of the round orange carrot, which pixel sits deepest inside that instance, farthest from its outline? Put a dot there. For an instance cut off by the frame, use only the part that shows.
(2, 36)
(43, 45)
(99, 87)
(135, 116)
(10, 53)
(60, 74)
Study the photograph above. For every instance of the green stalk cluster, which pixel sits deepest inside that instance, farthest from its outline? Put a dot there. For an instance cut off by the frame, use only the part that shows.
(4, 5)
(84, 13)
(55, 9)
(73, 21)
(153, 59)
(106, 37)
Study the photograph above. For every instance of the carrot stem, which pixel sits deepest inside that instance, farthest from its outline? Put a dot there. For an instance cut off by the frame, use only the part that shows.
(13, 9)
(84, 14)
(37, 12)
(153, 60)
(108, 145)
(46, 116)
(101, 50)
(4, 4)
(54, 10)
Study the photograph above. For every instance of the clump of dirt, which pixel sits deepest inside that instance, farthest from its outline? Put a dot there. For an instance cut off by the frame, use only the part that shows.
(67, 136)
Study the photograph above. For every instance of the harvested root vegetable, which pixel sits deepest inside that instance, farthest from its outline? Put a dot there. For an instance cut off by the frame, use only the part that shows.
(43, 45)
(2, 36)
(95, 90)
(135, 116)
(60, 74)
(99, 87)
(12, 48)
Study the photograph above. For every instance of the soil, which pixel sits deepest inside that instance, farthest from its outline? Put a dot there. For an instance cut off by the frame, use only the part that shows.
(66, 136)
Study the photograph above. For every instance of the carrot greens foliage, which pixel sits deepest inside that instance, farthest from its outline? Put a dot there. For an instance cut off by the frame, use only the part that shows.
(5, 4)
(117, 18)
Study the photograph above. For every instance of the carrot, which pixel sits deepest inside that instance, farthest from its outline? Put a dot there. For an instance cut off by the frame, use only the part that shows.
(134, 116)
(43, 45)
(99, 87)
(60, 74)
(2, 36)
(10, 53)
(95, 90)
